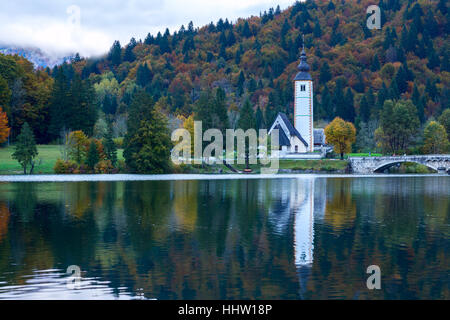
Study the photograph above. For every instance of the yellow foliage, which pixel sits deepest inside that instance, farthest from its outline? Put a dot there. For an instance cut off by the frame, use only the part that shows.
(4, 129)
(341, 135)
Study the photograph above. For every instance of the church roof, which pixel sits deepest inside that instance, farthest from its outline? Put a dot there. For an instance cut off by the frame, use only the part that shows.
(291, 128)
(283, 139)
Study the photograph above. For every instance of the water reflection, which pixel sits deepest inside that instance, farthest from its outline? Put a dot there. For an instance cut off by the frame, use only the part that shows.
(308, 238)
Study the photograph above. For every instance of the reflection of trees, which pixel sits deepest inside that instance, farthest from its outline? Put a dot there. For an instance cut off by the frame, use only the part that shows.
(340, 210)
(216, 239)
(388, 230)
(4, 220)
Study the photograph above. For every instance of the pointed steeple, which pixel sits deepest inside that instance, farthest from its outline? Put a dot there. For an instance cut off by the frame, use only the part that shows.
(303, 67)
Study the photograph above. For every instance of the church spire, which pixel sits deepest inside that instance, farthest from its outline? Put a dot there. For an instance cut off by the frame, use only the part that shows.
(303, 66)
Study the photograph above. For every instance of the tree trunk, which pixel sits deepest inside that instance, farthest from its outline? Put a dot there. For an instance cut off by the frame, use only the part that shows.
(342, 156)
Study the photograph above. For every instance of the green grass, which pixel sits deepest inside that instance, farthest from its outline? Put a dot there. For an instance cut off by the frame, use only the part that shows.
(363, 155)
(324, 165)
(316, 165)
(45, 161)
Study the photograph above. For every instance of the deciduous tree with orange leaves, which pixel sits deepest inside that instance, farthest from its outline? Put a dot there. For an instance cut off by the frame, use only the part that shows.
(341, 135)
(4, 129)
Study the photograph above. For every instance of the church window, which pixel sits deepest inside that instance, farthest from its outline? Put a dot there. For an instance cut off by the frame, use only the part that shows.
(302, 87)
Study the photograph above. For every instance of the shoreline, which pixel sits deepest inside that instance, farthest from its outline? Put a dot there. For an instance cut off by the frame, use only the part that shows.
(186, 177)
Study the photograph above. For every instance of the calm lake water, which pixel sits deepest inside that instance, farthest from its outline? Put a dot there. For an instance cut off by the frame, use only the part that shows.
(288, 238)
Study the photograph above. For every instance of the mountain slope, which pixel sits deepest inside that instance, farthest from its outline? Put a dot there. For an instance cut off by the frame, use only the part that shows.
(257, 57)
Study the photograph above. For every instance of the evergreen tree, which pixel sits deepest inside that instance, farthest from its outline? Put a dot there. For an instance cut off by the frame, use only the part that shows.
(59, 104)
(246, 30)
(325, 73)
(433, 59)
(240, 83)
(220, 118)
(326, 104)
(359, 85)
(271, 110)
(246, 122)
(349, 106)
(364, 109)
(129, 54)
(259, 119)
(418, 102)
(92, 156)
(110, 146)
(143, 75)
(25, 149)
(115, 53)
(400, 79)
(375, 63)
(339, 99)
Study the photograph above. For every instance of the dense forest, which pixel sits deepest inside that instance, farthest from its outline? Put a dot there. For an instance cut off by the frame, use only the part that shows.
(210, 72)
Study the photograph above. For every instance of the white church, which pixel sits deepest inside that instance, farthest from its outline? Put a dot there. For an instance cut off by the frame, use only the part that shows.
(301, 138)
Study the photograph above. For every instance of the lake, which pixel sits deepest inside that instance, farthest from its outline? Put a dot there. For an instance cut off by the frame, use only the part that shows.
(293, 237)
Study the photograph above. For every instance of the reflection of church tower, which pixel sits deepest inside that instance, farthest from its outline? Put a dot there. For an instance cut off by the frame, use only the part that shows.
(304, 226)
(303, 105)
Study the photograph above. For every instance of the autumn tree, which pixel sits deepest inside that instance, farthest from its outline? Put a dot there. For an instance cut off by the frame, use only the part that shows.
(341, 135)
(77, 146)
(4, 129)
(25, 149)
(435, 140)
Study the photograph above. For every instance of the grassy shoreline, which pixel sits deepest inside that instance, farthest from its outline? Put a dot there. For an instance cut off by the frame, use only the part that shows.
(45, 161)
(48, 154)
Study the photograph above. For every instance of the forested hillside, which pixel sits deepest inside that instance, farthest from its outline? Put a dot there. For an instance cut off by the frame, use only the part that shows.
(210, 71)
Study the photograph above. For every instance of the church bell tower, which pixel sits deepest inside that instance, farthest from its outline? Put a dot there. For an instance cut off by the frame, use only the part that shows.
(303, 104)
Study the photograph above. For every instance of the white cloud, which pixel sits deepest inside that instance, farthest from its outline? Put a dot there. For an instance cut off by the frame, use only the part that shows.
(49, 26)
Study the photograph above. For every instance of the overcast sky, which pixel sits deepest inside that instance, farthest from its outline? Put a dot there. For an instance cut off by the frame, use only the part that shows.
(54, 26)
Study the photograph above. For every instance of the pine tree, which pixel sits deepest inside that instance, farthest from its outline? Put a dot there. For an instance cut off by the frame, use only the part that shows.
(325, 73)
(115, 53)
(400, 80)
(259, 119)
(25, 149)
(339, 99)
(246, 30)
(349, 106)
(375, 63)
(240, 84)
(143, 75)
(271, 110)
(110, 146)
(326, 104)
(364, 109)
(59, 104)
(92, 156)
(220, 110)
(246, 122)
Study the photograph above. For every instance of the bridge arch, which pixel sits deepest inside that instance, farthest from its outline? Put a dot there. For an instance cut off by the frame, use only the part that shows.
(385, 166)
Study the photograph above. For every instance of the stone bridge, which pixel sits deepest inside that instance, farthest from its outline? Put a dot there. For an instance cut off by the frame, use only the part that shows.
(366, 165)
